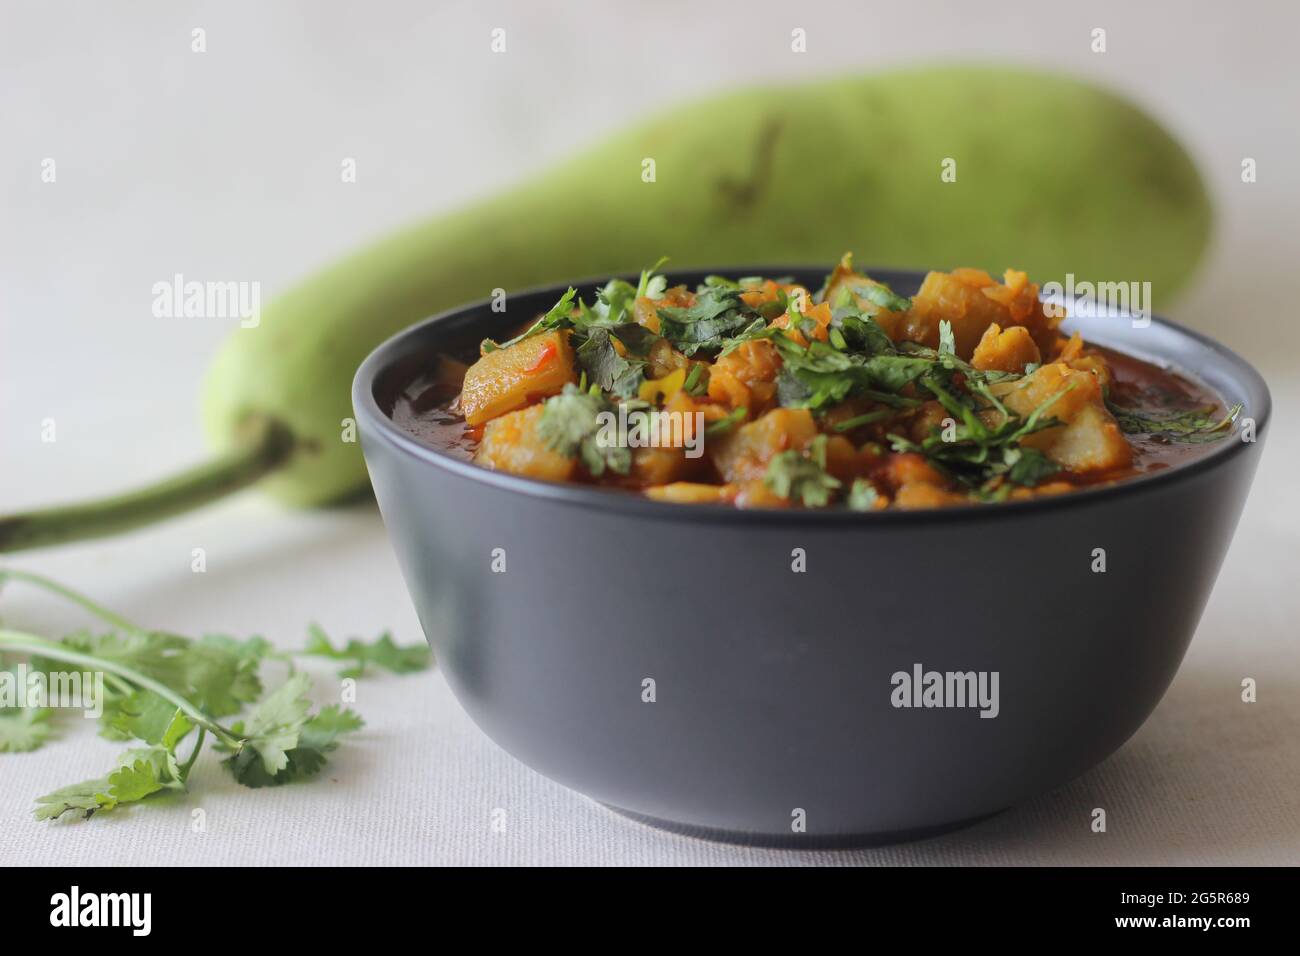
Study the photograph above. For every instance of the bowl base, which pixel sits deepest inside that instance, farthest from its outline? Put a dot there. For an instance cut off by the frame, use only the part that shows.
(804, 841)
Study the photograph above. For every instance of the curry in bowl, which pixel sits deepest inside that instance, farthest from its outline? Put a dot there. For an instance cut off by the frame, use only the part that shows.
(763, 393)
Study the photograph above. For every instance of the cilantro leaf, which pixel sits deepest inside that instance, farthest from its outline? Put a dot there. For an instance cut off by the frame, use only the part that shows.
(727, 423)
(652, 286)
(318, 737)
(862, 495)
(883, 296)
(705, 324)
(710, 302)
(606, 368)
(757, 329)
(272, 728)
(219, 678)
(139, 773)
(1194, 425)
(142, 715)
(382, 653)
(153, 653)
(818, 375)
(134, 782)
(860, 332)
(636, 338)
(154, 681)
(23, 728)
(792, 474)
(947, 341)
(84, 799)
(573, 424)
(560, 316)
(1028, 466)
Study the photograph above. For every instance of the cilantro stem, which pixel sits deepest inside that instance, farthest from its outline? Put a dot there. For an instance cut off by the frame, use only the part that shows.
(269, 445)
(76, 597)
(33, 644)
(122, 686)
(864, 419)
(194, 755)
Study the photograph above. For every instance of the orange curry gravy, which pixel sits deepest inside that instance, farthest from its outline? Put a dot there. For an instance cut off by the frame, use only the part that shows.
(1149, 388)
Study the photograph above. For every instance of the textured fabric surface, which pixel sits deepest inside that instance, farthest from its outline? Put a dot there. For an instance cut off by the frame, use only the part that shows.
(225, 166)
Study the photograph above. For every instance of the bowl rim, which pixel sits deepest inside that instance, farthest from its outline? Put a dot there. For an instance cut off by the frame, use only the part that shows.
(393, 349)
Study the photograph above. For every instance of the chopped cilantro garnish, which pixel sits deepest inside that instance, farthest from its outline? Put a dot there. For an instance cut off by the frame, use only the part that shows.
(802, 475)
(571, 425)
(1193, 425)
(881, 296)
(862, 495)
(724, 425)
(859, 420)
(559, 317)
(606, 368)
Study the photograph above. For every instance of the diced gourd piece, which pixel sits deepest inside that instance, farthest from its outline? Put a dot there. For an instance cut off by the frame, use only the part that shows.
(511, 443)
(768, 292)
(691, 493)
(742, 455)
(925, 419)
(909, 468)
(812, 322)
(1076, 390)
(1096, 364)
(1046, 489)
(1073, 353)
(1069, 349)
(971, 300)
(756, 494)
(915, 483)
(916, 495)
(1005, 350)
(844, 280)
(1090, 439)
(659, 466)
(663, 359)
(842, 459)
(646, 310)
(679, 452)
(510, 378)
(746, 377)
(645, 313)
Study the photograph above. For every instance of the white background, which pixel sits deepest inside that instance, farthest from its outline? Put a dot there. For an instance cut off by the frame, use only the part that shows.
(226, 165)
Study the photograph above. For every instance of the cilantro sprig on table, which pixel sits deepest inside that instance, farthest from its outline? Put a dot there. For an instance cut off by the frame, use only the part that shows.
(161, 688)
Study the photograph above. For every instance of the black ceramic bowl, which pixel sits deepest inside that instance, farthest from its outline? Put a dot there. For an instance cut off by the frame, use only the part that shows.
(772, 716)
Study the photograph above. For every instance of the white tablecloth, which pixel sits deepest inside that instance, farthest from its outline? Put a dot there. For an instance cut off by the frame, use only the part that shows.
(226, 164)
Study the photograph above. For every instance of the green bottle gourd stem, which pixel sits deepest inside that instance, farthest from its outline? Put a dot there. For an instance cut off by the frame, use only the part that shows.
(266, 447)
